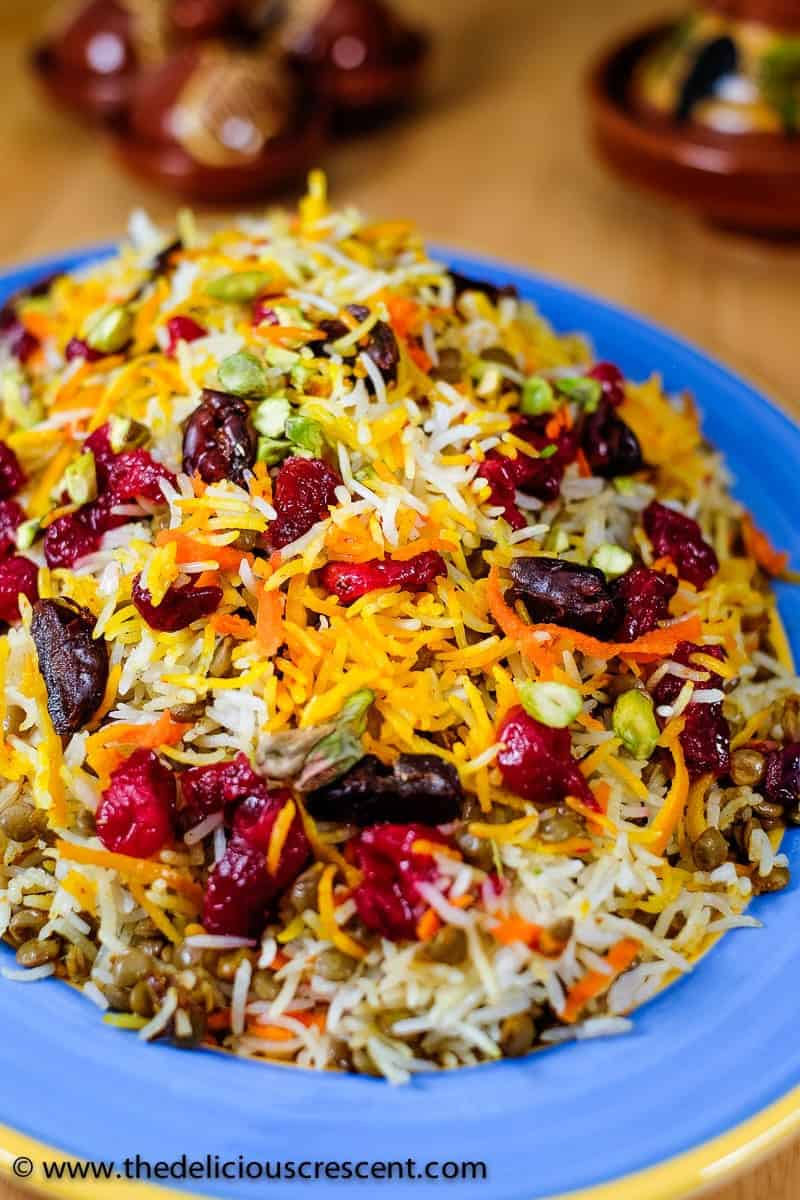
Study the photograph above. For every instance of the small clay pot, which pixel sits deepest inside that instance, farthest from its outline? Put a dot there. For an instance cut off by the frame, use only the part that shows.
(746, 180)
(356, 54)
(214, 123)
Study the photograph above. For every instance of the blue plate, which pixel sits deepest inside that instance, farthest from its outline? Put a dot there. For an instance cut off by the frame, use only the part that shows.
(707, 1055)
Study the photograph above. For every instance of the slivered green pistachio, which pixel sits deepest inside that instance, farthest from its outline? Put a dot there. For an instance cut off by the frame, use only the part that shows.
(239, 287)
(111, 330)
(80, 479)
(19, 403)
(271, 416)
(272, 450)
(554, 704)
(125, 434)
(537, 397)
(557, 541)
(305, 433)
(279, 356)
(356, 708)
(27, 533)
(624, 485)
(634, 723)
(612, 560)
(341, 749)
(583, 390)
(243, 375)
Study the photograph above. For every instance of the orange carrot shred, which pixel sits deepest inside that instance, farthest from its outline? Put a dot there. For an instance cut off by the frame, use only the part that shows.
(597, 983)
(759, 547)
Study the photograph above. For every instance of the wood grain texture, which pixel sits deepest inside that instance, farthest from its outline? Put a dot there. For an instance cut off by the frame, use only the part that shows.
(495, 161)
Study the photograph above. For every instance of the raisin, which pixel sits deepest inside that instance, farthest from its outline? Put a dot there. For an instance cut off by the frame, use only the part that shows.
(136, 811)
(11, 517)
(303, 491)
(73, 663)
(536, 761)
(183, 329)
(674, 534)
(611, 447)
(387, 898)
(219, 440)
(566, 593)
(381, 347)
(350, 581)
(417, 787)
(17, 575)
(645, 597)
(12, 475)
(182, 604)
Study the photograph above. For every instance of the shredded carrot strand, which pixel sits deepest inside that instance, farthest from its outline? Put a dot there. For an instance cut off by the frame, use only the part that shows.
(597, 983)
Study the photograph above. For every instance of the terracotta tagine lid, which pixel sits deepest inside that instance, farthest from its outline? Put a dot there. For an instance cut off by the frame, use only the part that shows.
(706, 110)
(217, 123)
(355, 53)
(94, 53)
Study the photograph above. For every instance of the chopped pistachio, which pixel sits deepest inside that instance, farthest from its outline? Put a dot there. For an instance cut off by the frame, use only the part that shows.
(239, 287)
(19, 404)
(557, 541)
(612, 560)
(585, 391)
(537, 397)
(80, 479)
(300, 375)
(125, 434)
(624, 484)
(356, 708)
(271, 415)
(554, 704)
(634, 723)
(27, 533)
(243, 375)
(279, 356)
(548, 451)
(273, 450)
(111, 330)
(306, 434)
(330, 758)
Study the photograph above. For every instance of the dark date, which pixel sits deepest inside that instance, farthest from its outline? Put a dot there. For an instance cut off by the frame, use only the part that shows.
(73, 663)
(219, 441)
(417, 787)
(566, 593)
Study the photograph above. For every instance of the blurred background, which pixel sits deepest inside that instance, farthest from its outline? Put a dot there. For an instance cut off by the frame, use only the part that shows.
(493, 157)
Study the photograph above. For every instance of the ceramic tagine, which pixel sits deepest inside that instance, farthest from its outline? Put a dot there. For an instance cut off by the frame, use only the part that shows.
(706, 110)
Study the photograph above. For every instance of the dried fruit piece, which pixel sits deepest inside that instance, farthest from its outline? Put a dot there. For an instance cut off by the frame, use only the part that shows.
(644, 596)
(219, 441)
(611, 380)
(135, 473)
(417, 787)
(387, 899)
(781, 782)
(69, 539)
(611, 447)
(73, 663)
(304, 490)
(566, 593)
(78, 348)
(12, 475)
(182, 604)
(183, 329)
(669, 686)
(536, 761)
(238, 892)
(674, 534)
(12, 515)
(350, 581)
(18, 575)
(136, 811)
(706, 740)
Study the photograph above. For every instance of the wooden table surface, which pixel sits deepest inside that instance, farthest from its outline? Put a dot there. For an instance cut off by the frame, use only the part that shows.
(496, 161)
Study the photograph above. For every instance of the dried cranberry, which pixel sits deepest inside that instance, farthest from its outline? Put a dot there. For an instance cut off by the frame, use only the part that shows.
(238, 892)
(781, 783)
(350, 581)
(669, 686)
(241, 781)
(19, 342)
(673, 533)
(304, 490)
(136, 811)
(183, 604)
(11, 517)
(219, 441)
(536, 761)
(706, 740)
(78, 348)
(611, 447)
(645, 597)
(73, 662)
(183, 329)
(200, 793)
(534, 430)
(12, 475)
(387, 897)
(264, 313)
(566, 593)
(254, 822)
(612, 381)
(417, 787)
(498, 471)
(99, 444)
(69, 539)
(134, 474)
(17, 575)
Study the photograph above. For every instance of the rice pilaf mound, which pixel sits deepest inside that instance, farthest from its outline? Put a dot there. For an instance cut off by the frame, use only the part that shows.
(384, 682)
